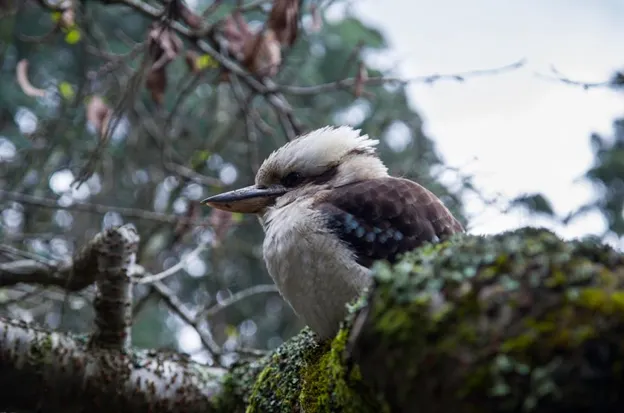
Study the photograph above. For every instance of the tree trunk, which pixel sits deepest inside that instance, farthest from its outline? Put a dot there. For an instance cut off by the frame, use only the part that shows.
(520, 321)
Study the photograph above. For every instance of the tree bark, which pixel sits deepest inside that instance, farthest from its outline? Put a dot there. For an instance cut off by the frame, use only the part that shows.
(521, 321)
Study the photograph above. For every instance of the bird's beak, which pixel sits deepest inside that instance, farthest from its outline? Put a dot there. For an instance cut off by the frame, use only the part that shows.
(248, 200)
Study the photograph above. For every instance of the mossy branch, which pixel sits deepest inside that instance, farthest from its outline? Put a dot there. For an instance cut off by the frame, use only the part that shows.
(521, 321)
(51, 372)
(518, 322)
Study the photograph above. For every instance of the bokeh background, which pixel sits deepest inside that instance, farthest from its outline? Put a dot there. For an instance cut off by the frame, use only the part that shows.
(513, 113)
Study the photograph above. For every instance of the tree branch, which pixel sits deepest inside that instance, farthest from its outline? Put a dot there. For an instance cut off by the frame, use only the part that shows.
(375, 81)
(517, 321)
(79, 273)
(113, 302)
(91, 208)
(616, 81)
(50, 372)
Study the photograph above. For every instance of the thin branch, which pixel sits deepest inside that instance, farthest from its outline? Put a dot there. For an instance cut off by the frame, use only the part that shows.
(235, 298)
(14, 252)
(250, 125)
(92, 208)
(180, 309)
(556, 75)
(141, 276)
(190, 174)
(373, 81)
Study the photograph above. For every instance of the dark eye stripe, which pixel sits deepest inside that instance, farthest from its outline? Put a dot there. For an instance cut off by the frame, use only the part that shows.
(295, 178)
(292, 179)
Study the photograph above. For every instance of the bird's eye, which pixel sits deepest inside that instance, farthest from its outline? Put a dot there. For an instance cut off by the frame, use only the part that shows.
(292, 179)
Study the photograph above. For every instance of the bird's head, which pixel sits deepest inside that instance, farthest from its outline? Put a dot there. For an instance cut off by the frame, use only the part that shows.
(322, 159)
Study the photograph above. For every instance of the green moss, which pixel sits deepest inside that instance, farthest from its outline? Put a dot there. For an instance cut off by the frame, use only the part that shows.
(278, 384)
(598, 299)
(332, 386)
(41, 350)
(301, 375)
(509, 323)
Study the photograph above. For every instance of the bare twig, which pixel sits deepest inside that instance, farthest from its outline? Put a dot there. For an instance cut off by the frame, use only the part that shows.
(250, 125)
(556, 75)
(141, 276)
(351, 82)
(15, 252)
(114, 60)
(180, 309)
(190, 174)
(237, 297)
(91, 208)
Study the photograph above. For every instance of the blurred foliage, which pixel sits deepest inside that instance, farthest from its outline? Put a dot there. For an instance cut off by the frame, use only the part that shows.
(607, 175)
(536, 203)
(45, 142)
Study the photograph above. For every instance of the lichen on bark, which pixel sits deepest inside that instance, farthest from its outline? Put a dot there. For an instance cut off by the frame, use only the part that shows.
(521, 321)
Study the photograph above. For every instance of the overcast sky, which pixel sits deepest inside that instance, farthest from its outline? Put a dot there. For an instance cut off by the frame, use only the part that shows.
(516, 132)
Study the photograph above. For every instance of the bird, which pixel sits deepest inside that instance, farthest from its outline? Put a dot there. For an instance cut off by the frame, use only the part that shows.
(329, 210)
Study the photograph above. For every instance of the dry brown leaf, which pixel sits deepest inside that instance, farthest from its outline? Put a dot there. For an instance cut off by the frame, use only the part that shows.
(263, 55)
(360, 80)
(22, 80)
(164, 46)
(237, 33)
(99, 114)
(284, 20)
(260, 53)
(156, 83)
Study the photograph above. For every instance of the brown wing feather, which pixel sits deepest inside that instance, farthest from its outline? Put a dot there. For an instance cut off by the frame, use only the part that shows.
(382, 218)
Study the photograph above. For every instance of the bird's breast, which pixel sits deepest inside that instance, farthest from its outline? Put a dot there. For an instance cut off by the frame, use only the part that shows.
(314, 271)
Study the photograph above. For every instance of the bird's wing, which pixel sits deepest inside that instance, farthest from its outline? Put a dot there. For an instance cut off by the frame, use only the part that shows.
(381, 218)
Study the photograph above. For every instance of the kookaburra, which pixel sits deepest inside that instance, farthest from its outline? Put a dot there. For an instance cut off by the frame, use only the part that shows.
(329, 209)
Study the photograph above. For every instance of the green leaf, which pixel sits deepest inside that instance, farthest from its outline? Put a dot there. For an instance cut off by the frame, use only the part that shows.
(73, 36)
(55, 16)
(66, 90)
(206, 62)
(199, 157)
(231, 331)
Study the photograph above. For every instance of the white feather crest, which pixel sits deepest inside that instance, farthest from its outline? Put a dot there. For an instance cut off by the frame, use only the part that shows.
(317, 149)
